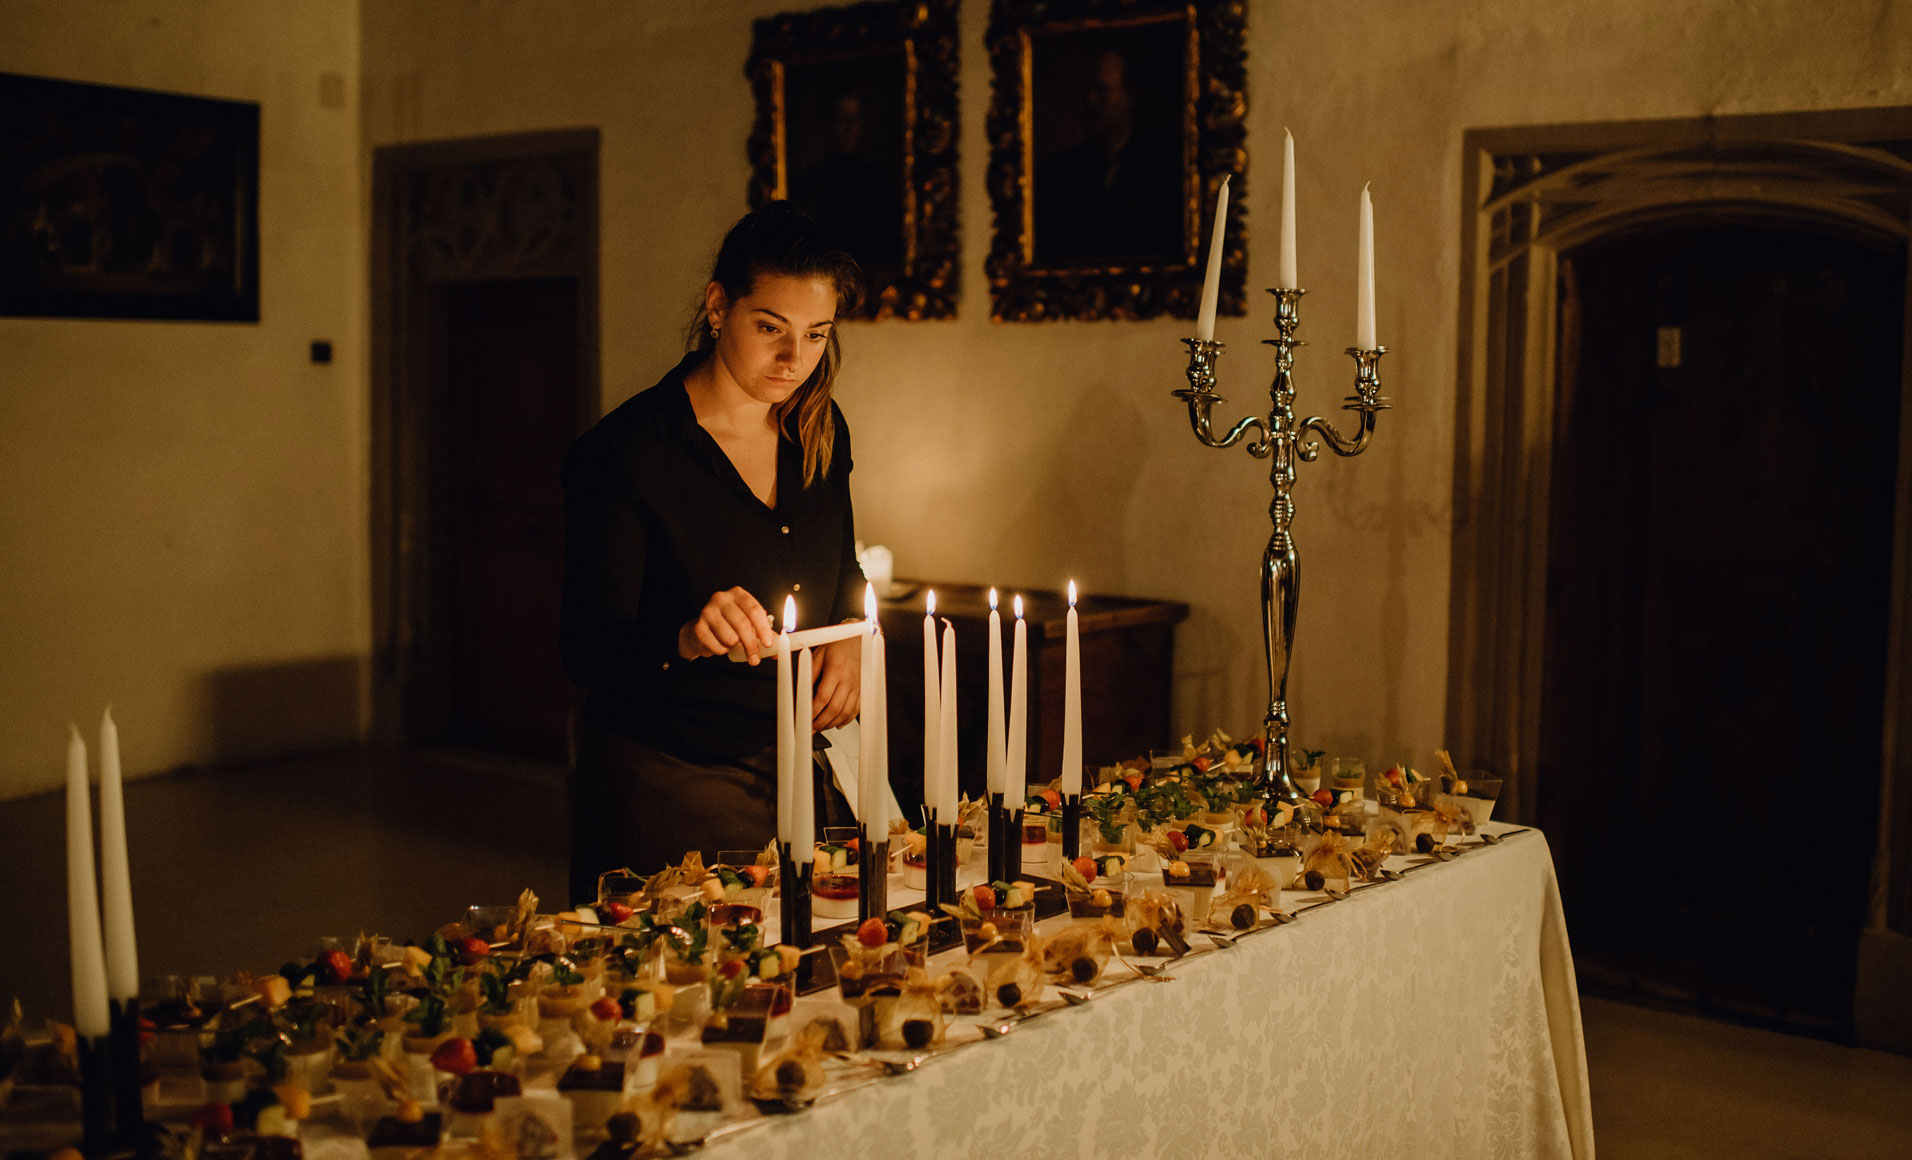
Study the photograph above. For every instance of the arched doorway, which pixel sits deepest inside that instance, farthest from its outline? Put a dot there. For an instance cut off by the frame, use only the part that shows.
(1669, 398)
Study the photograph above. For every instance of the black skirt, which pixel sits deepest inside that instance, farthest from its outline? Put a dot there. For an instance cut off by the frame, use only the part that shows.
(638, 808)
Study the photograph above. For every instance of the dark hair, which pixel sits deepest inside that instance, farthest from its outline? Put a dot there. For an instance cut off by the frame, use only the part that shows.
(779, 238)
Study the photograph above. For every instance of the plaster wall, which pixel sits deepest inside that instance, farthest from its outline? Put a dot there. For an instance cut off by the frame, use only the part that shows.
(182, 532)
(1029, 453)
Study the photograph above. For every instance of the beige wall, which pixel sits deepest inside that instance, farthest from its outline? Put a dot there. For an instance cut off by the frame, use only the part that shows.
(186, 503)
(1024, 454)
(183, 529)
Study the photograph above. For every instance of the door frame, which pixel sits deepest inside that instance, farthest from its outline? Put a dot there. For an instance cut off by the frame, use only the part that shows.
(522, 205)
(1533, 192)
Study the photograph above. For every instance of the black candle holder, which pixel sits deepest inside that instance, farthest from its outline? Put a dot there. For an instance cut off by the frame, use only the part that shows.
(97, 1097)
(873, 871)
(942, 852)
(998, 838)
(1011, 846)
(1072, 826)
(129, 1113)
(794, 887)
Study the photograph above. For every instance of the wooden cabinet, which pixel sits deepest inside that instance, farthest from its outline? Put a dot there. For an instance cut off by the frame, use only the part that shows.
(1128, 659)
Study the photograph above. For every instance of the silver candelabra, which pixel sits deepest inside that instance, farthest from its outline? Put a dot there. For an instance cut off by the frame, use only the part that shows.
(1284, 438)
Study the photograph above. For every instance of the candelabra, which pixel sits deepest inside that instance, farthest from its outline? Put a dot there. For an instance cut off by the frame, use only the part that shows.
(1285, 440)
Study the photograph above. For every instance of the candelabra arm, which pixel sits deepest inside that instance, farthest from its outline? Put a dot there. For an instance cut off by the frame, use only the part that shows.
(1367, 401)
(1201, 398)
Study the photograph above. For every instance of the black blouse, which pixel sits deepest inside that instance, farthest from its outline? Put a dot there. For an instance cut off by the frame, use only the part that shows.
(656, 520)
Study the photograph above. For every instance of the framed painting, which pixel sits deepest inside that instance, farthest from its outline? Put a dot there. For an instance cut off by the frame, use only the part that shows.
(1112, 124)
(126, 203)
(856, 123)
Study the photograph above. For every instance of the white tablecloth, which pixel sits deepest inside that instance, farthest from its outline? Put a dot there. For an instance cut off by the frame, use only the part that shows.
(1431, 1017)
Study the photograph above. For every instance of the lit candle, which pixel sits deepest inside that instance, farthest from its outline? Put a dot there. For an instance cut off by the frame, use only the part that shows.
(946, 766)
(83, 897)
(1289, 280)
(993, 760)
(803, 788)
(866, 712)
(116, 880)
(1364, 278)
(1212, 285)
(1016, 775)
(786, 728)
(1072, 704)
(932, 707)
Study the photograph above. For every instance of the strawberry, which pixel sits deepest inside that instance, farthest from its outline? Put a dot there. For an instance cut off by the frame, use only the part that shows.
(851, 846)
(607, 1010)
(1394, 774)
(473, 949)
(456, 1055)
(617, 911)
(215, 1120)
(985, 897)
(1201, 763)
(732, 969)
(1135, 782)
(1324, 797)
(1178, 839)
(1085, 867)
(873, 933)
(758, 875)
(336, 965)
(1053, 798)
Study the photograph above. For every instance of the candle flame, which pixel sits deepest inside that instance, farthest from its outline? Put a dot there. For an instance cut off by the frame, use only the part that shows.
(789, 614)
(930, 600)
(1072, 594)
(992, 600)
(1018, 606)
(869, 601)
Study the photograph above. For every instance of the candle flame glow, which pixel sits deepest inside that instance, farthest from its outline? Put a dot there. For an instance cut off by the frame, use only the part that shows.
(992, 600)
(869, 601)
(1072, 594)
(1019, 606)
(789, 614)
(930, 600)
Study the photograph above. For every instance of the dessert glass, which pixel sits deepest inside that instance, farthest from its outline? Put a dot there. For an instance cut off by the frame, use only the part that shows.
(1474, 791)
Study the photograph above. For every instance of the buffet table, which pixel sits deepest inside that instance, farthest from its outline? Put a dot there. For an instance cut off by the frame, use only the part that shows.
(1431, 1017)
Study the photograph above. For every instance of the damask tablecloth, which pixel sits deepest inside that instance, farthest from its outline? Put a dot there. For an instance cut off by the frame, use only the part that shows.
(1431, 1017)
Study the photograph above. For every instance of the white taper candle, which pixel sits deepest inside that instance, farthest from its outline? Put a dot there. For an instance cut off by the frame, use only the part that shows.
(1212, 284)
(116, 877)
(84, 951)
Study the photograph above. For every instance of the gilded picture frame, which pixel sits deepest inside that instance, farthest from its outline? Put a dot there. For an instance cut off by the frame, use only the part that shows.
(1112, 124)
(127, 203)
(856, 122)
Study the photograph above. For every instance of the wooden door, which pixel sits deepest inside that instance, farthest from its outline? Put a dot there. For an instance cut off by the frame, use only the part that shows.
(1718, 571)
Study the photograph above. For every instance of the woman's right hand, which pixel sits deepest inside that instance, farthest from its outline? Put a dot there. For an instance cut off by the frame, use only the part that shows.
(729, 618)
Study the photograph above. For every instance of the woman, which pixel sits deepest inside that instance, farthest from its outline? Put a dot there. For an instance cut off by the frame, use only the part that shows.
(690, 511)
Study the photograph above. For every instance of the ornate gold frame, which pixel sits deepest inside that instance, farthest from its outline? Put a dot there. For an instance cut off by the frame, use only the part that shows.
(1214, 146)
(925, 31)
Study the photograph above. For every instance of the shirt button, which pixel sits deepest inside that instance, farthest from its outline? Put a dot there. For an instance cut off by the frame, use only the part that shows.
(786, 529)
(667, 664)
(796, 588)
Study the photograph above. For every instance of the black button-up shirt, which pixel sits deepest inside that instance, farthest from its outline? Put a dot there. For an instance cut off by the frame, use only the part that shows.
(656, 520)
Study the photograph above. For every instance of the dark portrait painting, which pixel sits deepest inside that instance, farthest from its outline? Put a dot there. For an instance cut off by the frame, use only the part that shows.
(1111, 142)
(844, 148)
(1112, 125)
(856, 123)
(124, 203)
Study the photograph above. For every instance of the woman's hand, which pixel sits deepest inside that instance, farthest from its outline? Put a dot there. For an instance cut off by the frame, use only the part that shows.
(730, 618)
(839, 684)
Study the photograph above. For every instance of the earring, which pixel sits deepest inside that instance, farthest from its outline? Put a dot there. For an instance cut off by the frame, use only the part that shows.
(716, 332)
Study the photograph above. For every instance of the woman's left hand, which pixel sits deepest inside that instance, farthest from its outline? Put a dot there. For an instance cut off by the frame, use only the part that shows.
(839, 684)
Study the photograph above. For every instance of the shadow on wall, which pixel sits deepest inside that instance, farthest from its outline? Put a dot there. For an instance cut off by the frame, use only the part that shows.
(1073, 524)
(272, 710)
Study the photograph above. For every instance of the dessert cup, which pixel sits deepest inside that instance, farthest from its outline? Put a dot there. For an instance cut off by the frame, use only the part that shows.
(469, 1103)
(834, 895)
(1474, 792)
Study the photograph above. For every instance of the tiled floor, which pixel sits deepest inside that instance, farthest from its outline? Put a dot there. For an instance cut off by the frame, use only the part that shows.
(243, 867)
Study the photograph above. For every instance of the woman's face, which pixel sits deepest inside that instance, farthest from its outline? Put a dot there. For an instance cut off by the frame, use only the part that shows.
(770, 339)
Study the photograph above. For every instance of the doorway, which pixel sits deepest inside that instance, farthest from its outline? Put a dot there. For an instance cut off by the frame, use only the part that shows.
(1718, 601)
(486, 324)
